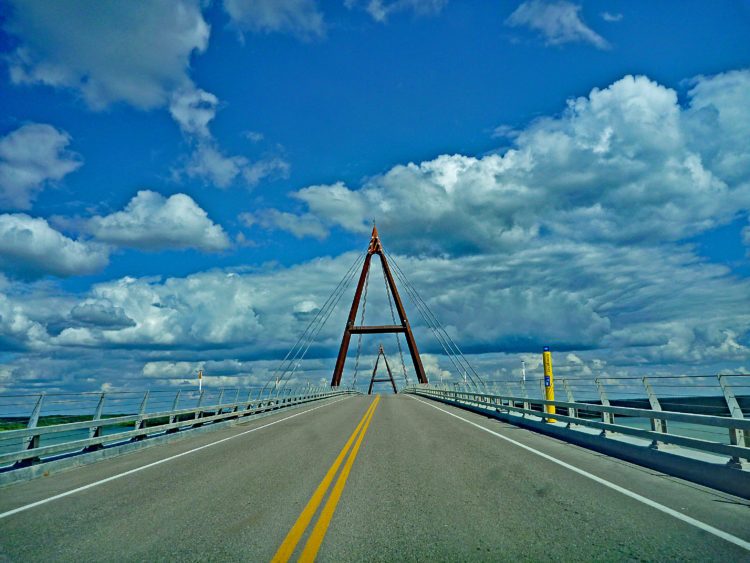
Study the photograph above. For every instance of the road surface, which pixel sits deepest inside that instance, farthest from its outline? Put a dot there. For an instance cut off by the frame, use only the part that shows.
(413, 480)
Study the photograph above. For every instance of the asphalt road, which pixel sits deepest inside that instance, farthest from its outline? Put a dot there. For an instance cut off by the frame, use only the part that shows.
(418, 485)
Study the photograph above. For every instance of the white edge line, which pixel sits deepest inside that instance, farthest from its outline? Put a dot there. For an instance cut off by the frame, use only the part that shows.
(687, 519)
(166, 459)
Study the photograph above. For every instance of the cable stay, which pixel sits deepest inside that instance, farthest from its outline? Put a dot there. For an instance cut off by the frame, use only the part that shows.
(288, 366)
(457, 358)
(400, 326)
(362, 324)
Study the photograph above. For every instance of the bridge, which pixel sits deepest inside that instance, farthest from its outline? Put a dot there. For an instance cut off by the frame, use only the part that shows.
(466, 471)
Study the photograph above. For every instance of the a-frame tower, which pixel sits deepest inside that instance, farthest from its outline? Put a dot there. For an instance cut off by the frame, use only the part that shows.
(373, 379)
(376, 248)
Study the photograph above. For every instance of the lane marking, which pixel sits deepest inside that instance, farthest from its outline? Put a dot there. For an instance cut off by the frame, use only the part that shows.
(290, 542)
(147, 466)
(321, 527)
(627, 492)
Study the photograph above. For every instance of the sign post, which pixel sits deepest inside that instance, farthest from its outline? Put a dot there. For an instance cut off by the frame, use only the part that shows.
(549, 386)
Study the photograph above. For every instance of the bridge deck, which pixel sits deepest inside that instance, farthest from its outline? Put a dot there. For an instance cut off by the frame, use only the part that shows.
(424, 486)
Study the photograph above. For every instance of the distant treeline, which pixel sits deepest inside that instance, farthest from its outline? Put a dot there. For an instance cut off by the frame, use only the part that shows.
(21, 422)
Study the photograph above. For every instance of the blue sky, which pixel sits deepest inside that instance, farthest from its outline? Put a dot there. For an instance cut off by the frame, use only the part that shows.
(183, 183)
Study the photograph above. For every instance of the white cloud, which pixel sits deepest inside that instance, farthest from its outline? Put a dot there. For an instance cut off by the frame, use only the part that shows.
(152, 222)
(171, 370)
(622, 165)
(300, 17)
(609, 17)
(380, 10)
(31, 157)
(30, 249)
(193, 109)
(559, 22)
(109, 51)
(717, 123)
(271, 167)
(254, 136)
(114, 52)
(653, 306)
(306, 225)
(17, 331)
(211, 164)
(101, 314)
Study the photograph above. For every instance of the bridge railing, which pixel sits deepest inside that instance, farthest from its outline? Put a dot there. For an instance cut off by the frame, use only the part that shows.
(153, 413)
(666, 427)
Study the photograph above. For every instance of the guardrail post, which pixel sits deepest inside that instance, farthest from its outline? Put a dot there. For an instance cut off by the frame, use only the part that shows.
(657, 424)
(32, 441)
(198, 412)
(526, 403)
(236, 398)
(139, 422)
(173, 417)
(218, 403)
(737, 436)
(96, 431)
(571, 410)
(607, 417)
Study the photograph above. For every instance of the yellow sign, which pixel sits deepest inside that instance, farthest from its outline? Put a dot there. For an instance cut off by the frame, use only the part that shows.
(549, 385)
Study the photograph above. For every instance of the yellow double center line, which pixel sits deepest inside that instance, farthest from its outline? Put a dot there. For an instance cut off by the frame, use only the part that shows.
(319, 531)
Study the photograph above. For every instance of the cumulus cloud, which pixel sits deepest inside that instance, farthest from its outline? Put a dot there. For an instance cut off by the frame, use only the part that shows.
(139, 55)
(152, 222)
(380, 10)
(597, 300)
(193, 109)
(558, 22)
(109, 51)
(306, 225)
(210, 163)
(623, 165)
(609, 17)
(300, 17)
(717, 123)
(17, 330)
(101, 314)
(31, 249)
(31, 157)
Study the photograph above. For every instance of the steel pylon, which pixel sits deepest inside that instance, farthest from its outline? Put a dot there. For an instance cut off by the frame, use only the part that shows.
(381, 352)
(376, 247)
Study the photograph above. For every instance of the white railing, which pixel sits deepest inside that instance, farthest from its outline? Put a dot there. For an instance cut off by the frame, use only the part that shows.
(35, 443)
(604, 418)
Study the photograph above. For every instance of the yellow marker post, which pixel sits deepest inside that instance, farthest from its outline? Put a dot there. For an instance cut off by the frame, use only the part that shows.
(549, 386)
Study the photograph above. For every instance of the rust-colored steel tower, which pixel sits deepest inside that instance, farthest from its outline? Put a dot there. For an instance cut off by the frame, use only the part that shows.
(376, 248)
(381, 352)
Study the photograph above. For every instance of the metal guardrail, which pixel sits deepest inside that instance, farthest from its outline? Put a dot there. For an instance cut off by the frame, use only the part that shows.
(572, 413)
(23, 447)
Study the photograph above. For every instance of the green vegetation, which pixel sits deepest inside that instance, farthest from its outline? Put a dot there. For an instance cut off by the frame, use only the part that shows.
(20, 422)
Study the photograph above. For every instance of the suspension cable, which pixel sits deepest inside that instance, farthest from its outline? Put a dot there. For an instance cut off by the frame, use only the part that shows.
(303, 343)
(431, 325)
(417, 299)
(318, 327)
